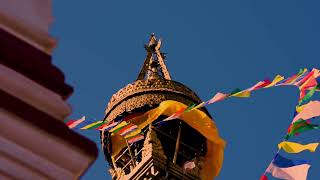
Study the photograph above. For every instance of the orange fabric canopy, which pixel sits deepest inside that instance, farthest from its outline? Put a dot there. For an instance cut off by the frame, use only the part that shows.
(198, 120)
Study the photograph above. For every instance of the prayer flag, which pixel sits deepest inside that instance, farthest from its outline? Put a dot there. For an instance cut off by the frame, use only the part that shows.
(265, 83)
(218, 97)
(242, 94)
(119, 127)
(135, 138)
(310, 110)
(70, 122)
(291, 147)
(277, 79)
(127, 129)
(305, 98)
(305, 78)
(93, 125)
(299, 127)
(299, 172)
(310, 83)
(256, 85)
(108, 126)
(295, 77)
(133, 133)
(284, 168)
(76, 122)
(189, 108)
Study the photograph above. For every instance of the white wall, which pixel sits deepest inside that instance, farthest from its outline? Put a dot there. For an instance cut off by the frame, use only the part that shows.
(28, 20)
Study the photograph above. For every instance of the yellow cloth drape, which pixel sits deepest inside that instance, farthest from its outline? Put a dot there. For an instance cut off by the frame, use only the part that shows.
(291, 147)
(198, 120)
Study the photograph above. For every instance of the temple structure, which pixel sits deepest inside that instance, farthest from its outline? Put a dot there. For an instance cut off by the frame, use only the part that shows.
(174, 150)
(34, 141)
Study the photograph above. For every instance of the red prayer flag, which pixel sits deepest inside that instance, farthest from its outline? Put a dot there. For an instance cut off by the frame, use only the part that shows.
(70, 122)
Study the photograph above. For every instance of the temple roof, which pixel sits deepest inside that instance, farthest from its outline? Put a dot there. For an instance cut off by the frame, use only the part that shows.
(152, 86)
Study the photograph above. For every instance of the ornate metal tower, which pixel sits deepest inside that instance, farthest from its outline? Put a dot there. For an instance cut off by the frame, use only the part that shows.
(166, 149)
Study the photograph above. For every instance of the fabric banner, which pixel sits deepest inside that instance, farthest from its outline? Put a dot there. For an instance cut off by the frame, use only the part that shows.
(276, 80)
(106, 127)
(218, 97)
(93, 125)
(300, 126)
(134, 139)
(291, 147)
(284, 168)
(119, 127)
(77, 122)
(310, 110)
(299, 172)
(197, 120)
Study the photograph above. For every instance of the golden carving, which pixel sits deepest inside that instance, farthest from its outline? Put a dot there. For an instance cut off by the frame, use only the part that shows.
(148, 92)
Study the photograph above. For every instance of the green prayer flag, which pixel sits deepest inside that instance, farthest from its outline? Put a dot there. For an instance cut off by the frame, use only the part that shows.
(235, 91)
(299, 127)
(307, 97)
(190, 107)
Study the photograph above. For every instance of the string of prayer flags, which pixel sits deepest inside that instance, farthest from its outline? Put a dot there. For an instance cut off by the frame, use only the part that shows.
(292, 147)
(299, 127)
(310, 110)
(93, 125)
(284, 168)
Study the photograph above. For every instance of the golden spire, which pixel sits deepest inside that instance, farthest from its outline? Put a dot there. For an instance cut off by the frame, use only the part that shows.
(153, 59)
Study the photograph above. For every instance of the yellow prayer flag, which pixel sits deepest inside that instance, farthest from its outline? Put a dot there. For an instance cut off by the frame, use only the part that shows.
(133, 133)
(91, 125)
(291, 147)
(277, 79)
(243, 94)
(123, 123)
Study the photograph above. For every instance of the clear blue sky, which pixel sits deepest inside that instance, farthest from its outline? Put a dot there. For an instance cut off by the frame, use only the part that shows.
(212, 46)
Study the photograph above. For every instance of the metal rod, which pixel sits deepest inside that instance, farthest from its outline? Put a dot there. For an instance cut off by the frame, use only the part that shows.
(177, 145)
(115, 166)
(131, 155)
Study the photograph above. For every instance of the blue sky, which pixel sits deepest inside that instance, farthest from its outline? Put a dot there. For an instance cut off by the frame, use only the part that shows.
(212, 46)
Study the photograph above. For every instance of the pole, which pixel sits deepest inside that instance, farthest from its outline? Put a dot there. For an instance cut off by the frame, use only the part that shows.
(115, 166)
(177, 145)
(131, 154)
